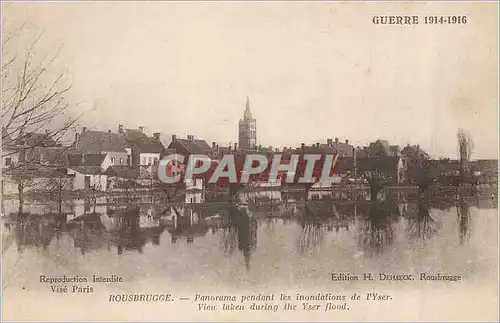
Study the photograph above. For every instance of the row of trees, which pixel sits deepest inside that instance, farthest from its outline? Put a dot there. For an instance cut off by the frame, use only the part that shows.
(422, 172)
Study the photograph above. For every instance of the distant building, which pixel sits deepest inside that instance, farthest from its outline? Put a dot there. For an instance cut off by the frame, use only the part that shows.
(102, 142)
(382, 148)
(30, 148)
(146, 151)
(344, 149)
(89, 171)
(247, 135)
(189, 146)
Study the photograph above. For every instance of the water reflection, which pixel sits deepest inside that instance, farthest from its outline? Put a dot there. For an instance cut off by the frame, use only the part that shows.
(421, 225)
(376, 226)
(232, 230)
(464, 219)
(239, 231)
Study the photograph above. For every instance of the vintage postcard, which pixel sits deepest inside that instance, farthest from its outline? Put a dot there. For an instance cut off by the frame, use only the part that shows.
(249, 161)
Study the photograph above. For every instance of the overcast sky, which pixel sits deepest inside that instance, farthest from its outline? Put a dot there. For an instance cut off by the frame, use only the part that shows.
(312, 70)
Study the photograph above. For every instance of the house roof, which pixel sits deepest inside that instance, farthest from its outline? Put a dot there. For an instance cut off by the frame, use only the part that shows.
(100, 141)
(48, 155)
(36, 140)
(122, 171)
(86, 159)
(194, 146)
(142, 143)
(322, 149)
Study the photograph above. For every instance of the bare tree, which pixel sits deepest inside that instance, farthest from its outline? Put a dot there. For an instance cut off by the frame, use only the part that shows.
(33, 96)
(94, 188)
(34, 108)
(58, 183)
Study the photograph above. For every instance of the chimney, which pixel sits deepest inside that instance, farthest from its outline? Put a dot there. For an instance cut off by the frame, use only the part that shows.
(302, 146)
(174, 137)
(156, 136)
(235, 146)
(47, 132)
(336, 140)
(317, 144)
(213, 144)
(329, 142)
(347, 141)
(141, 128)
(190, 137)
(120, 128)
(260, 147)
(277, 150)
(84, 129)
(109, 131)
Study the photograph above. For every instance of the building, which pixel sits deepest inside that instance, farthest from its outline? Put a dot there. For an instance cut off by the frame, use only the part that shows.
(247, 135)
(146, 151)
(31, 148)
(344, 149)
(89, 171)
(189, 146)
(382, 148)
(106, 143)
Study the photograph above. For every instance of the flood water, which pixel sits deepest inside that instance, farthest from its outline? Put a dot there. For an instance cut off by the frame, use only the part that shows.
(266, 244)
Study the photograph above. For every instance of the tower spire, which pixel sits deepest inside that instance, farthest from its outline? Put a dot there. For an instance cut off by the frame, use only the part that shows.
(248, 114)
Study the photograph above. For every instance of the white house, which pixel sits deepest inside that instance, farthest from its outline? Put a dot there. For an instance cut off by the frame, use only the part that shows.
(89, 171)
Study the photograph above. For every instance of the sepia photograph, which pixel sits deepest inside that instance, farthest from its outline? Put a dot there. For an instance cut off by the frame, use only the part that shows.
(306, 161)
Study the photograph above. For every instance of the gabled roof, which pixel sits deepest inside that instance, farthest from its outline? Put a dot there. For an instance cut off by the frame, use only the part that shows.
(194, 146)
(100, 141)
(322, 149)
(142, 143)
(86, 159)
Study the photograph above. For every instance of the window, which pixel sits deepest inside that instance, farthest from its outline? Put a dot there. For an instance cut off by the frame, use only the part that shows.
(155, 161)
(121, 161)
(8, 161)
(112, 160)
(150, 160)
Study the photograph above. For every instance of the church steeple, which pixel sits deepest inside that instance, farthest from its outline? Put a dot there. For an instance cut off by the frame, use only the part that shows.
(248, 114)
(247, 138)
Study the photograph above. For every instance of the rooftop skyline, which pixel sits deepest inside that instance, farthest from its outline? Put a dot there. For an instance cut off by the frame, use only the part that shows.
(312, 71)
